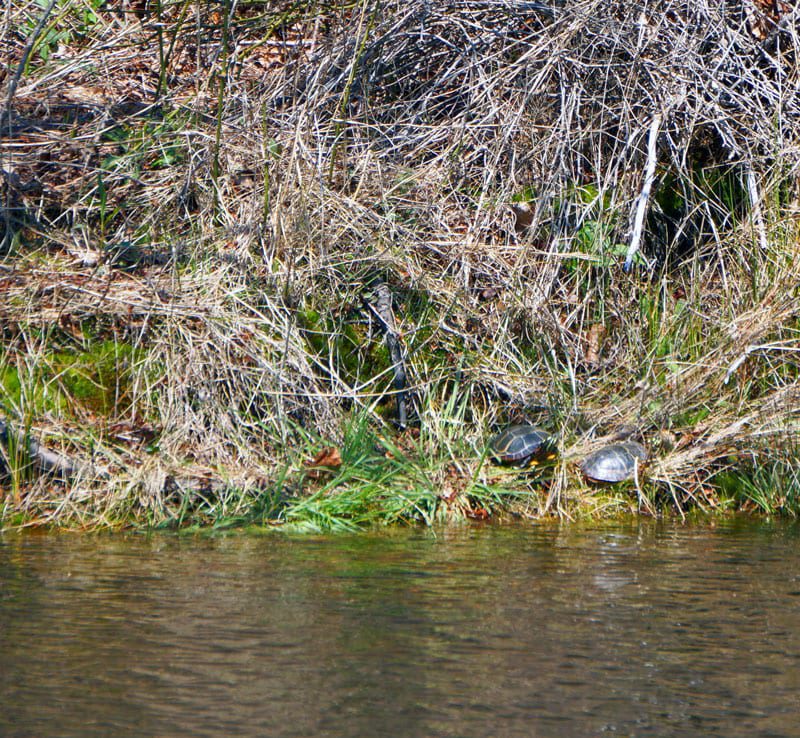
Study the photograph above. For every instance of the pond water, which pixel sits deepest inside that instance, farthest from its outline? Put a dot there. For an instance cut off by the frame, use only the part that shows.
(641, 629)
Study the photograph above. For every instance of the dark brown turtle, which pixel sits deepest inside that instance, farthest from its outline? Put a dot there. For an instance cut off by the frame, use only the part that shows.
(614, 463)
(523, 445)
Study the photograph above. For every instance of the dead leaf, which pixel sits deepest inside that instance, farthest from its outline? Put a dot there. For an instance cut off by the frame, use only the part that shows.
(453, 484)
(328, 457)
(133, 433)
(523, 215)
(448, 493)
(597, 334)
(70, 325)
(763, 16)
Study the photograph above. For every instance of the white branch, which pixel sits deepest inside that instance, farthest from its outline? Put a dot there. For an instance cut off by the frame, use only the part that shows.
(755, 205)
(644, 195)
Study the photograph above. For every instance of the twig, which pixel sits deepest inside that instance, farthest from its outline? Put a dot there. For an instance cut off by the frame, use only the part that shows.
(644, 196)
(755, 205)
(5, 122)
(382, 309)
(12, 87)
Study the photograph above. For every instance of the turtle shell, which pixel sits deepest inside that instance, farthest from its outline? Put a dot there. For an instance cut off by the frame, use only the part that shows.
(614, 463)
(520, 444)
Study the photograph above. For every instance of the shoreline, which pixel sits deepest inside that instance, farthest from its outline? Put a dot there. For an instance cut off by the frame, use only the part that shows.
(299, 263)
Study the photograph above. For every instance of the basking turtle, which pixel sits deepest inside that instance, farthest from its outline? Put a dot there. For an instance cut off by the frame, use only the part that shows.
(523, 445)
(614, 463)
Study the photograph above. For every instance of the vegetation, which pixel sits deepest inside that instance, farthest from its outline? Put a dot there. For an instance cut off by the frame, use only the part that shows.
(585, 213)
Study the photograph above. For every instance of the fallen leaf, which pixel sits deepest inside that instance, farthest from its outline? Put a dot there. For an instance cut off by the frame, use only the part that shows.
(132, 433)
(488, 293)
(448, 493)
(595, 343)
(329, 457)
(523, 215)
(407, 440)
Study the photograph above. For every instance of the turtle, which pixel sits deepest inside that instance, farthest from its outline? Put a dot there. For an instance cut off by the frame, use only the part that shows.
(522, 445)
(614, 463)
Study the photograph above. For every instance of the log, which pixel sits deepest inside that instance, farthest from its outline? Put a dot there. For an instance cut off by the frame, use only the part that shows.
(46, 462)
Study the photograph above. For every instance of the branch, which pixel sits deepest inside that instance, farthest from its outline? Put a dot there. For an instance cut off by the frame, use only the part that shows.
(382, 309)
(644, 195)
(49, 463)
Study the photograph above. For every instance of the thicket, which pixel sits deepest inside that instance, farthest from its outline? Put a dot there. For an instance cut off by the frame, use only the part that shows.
(585, 213)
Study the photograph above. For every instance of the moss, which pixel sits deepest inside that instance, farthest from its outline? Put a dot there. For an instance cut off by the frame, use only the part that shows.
(94, 379)
(10, 384)
(357, 355)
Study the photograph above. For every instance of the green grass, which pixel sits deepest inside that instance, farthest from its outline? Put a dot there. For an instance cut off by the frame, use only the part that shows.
(771, 485)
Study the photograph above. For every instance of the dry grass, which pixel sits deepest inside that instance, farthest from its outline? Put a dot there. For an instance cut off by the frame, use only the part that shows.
(266, 161)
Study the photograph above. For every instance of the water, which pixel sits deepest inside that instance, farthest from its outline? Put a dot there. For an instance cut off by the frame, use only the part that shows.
(637, 630)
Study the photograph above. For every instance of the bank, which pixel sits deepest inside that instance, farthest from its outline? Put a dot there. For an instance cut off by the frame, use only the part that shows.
(576, 226)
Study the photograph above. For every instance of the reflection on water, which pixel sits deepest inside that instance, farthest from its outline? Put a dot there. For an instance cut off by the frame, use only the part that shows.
(638, 630)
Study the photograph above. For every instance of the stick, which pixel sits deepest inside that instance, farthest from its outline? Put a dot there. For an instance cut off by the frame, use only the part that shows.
(644, 195)
(382, 309)
(50, 463)
(12, 87)
(755, 205)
